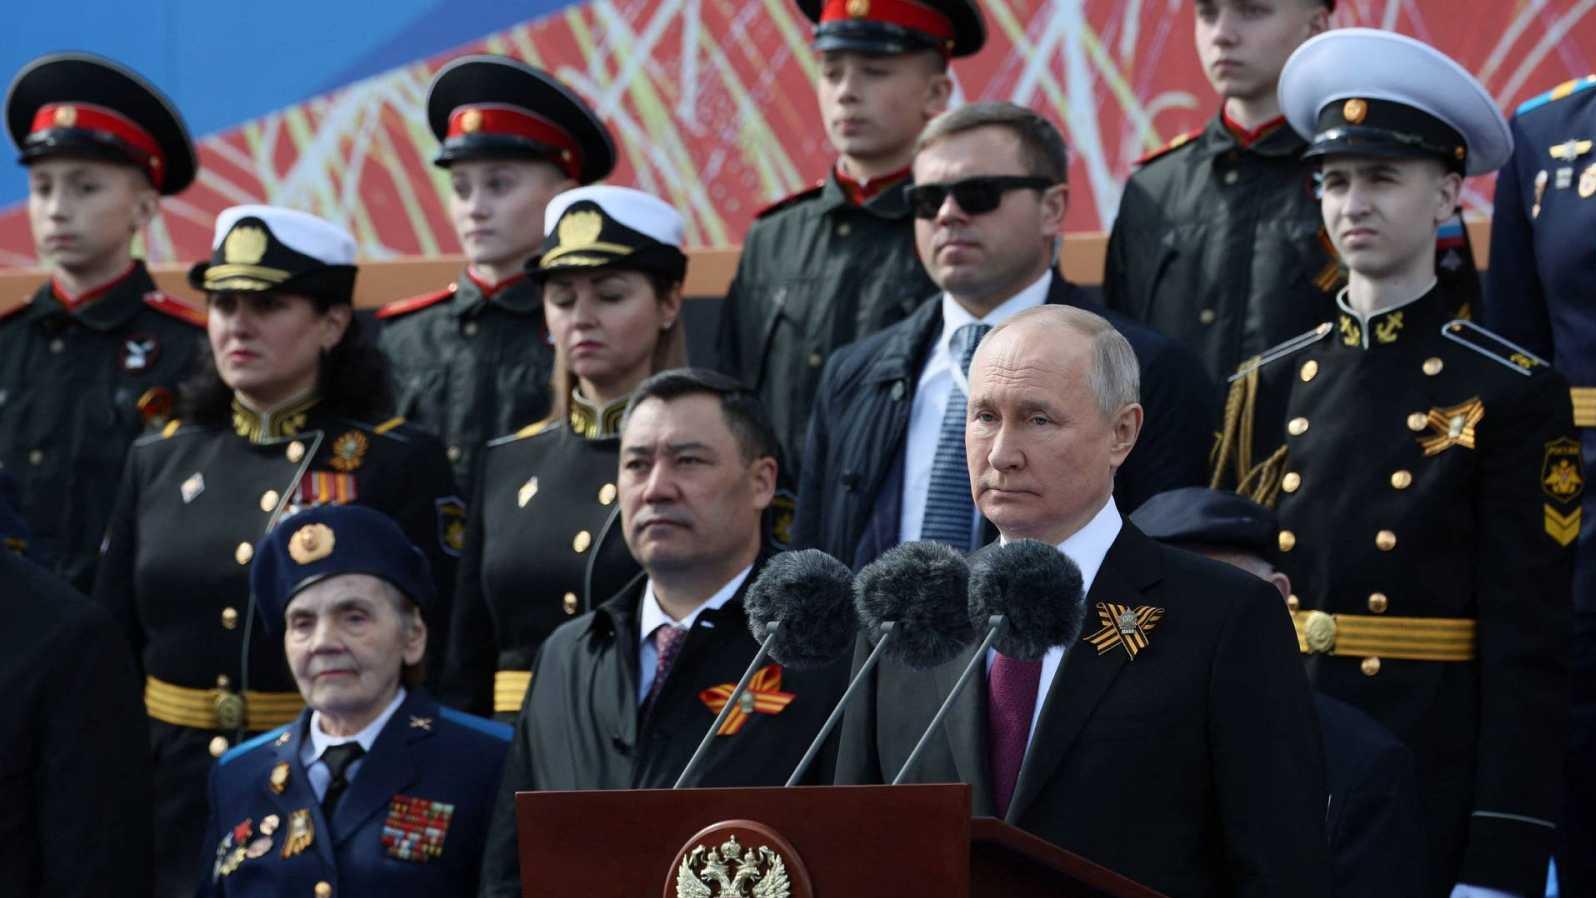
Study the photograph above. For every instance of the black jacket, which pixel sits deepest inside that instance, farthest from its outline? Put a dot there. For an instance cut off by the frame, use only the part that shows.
(1375, 821)
(851, 488)
(1193, 768)
(579, 728)
(71, 382)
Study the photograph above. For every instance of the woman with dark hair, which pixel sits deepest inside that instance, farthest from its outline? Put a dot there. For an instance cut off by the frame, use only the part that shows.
(287, 413)
(544, 544)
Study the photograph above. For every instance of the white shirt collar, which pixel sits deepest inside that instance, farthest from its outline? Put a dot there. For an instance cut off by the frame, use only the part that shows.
(319, 740)
(955, 316)
(651, 615)
(1088, 546)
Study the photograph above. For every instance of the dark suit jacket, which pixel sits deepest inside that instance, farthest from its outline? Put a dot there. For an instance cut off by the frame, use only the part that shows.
(1194, 768)
(1375, 820)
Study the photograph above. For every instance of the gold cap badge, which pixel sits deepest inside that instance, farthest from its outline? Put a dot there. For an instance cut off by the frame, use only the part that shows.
(471, 120)
(858, 8)
(245, 245)
(1354, 111)
(311, 542)
(579, 229)
(66, 116)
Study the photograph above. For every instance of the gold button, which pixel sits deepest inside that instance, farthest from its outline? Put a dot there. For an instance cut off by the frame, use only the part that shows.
(1297, 427)
(570, 603)
(1288, 540)
(1291, 482)
(218, 746)
(223, 682)
(844, 229)
(816, 360)
(1310, 370)
(1378, 602)
(470, 328)
(229, 618)
(57, 345)
(582, 541)
(1385, 540)
(1401, 480)
(1206, 316)
(323, 890)
(454, 453)
(1319, 632)
(36, 457)
(1293, 603)
(243, 553)
(1231, 176)
(607, 494)
(1433, 366)
(296, 451)
(1370, 666)
(268, 500)
(1418, 421)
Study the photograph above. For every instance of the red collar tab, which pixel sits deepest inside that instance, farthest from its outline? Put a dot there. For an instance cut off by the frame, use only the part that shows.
(73, 303)
(903, 13)
(513, 121)
(861, 192)
(1248, 138)
(489, 289)
(108, 123)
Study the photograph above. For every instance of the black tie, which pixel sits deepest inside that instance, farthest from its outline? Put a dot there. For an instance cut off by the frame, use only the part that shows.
(338, 758)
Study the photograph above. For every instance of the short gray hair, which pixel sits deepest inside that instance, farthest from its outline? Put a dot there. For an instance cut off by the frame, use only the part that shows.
(1042, 147)
(1115, 376)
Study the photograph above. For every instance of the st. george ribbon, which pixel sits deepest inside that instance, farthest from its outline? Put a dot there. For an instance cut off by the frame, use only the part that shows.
(1028, 596)
(798, 610)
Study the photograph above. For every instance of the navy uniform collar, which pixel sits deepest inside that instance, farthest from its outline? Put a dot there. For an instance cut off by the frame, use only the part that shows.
(264, 428)
(104, 308)
(1419, 316)
(594, 422)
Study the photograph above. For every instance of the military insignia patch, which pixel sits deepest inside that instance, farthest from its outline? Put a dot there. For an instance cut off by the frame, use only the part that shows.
(1452, 426)
(301, 833)
(1540, 192)
(783, 511)
(1562, 478)
(349, 451)
(139, 353)
(1564, 528)
(278, 779)
(1587, 182)
(1388, 328)
(1124, 626)
(325, 488)
(526, 492)
(1351, 334)
(451, 525)
(192, 487)
(763, 696)
(415, 828)
(312, 542)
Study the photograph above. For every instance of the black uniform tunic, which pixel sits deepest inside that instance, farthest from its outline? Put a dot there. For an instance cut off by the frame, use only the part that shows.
(71, 383)
(544, 540)
(1426, 479)
(175, 572)
(469, 363)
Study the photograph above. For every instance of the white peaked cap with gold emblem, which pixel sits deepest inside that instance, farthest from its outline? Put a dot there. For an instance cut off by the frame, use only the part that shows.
(272, 249)
(601, 226)
(301, 232)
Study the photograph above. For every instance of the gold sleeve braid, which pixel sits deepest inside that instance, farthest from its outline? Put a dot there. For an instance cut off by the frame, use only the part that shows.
(1231, 458)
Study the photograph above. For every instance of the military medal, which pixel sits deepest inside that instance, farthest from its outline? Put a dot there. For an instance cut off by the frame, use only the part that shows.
(192, 487)
(1587, 182)
(279, 779)
(1565, 177)
(259, 848)
(269, 824)
(139, 353)
(416, 828)
(763, 696)
(349, 451)
(1454, 426)
(301, 833)
(1540, 190)
(1124, 626)
(527, 491)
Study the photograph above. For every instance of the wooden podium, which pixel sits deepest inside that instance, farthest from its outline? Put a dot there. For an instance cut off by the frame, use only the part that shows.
(836, 842)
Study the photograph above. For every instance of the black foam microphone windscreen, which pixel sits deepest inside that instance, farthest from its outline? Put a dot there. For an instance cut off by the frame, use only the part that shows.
(1037, 588)
(923, 587)
(809, 593)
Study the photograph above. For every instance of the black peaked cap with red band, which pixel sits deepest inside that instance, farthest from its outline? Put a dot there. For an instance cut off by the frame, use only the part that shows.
(79, 104)
(890, 27)
(494, 107)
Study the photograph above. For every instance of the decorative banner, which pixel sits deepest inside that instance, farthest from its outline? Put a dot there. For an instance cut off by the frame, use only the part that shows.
(712, 102)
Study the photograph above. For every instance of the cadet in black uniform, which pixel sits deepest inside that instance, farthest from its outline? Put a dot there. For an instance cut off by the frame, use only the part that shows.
(544, 545)
(96, 354)
(472, 361)
(289, 415)
(836, 262)
(1421, 479)
(1538, 294)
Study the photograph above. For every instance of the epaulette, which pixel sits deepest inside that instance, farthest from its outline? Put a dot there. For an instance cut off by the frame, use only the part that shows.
(1290, 347)
(171, 305)
(1179, 141)
(531, 430)
(1566, 89)
(793, 199)
(415, 303)
(173, 428)
(388, 425)
(1493, 346)
(493, 728)
(249, 745)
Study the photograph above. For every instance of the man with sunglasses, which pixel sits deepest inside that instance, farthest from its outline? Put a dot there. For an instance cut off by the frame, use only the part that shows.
(884, 460)
(836, 262)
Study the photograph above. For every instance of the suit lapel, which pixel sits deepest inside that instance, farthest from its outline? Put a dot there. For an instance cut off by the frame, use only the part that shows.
(965, 727)
(1132, 565)
(388, 768)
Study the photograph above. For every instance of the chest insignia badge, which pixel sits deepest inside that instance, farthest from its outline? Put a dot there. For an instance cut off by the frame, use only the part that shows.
(1124, 626)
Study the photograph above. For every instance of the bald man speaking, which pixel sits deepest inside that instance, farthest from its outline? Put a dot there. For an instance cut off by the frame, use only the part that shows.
(1187, 759)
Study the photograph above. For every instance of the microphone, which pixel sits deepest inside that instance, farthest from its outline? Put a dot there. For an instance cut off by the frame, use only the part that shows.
(798, 610)
(1028, 595)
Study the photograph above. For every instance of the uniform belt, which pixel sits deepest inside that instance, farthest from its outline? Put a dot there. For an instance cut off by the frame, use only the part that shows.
(1402, 638)
(219, 709)
(1584, 406)
(509, 689)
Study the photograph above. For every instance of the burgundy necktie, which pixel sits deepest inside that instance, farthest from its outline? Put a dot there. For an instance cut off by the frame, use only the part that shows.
(1011, 698)
(668, 639)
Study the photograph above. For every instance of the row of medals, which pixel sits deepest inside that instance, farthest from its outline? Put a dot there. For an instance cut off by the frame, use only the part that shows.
(237, 846)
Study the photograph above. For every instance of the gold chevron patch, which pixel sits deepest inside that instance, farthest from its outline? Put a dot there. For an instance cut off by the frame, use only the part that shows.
(1124, 626)
(1562, 527)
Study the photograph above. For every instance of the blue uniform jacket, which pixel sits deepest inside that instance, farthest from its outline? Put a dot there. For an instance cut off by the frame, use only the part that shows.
(412, 822)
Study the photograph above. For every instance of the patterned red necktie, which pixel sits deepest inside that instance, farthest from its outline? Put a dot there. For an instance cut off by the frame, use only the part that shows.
(1011, 698)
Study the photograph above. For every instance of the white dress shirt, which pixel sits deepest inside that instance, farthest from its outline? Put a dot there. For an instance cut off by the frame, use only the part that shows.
(651, 616)
(310, 750)
(1087, 547)
(939, 377)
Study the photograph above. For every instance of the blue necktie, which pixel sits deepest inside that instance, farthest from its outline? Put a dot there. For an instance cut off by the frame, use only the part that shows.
(949, 511)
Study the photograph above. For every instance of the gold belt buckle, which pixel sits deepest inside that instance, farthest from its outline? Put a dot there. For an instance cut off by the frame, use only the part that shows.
(229, 710)
(1319, 632)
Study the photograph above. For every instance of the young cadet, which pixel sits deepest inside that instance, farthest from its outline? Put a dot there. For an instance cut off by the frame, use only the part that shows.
(472, 361)
(1418, 483)
(95, 355)
(1218, 241)
(837, 262)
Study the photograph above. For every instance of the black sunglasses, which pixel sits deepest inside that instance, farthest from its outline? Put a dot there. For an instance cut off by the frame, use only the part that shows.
(977, 196)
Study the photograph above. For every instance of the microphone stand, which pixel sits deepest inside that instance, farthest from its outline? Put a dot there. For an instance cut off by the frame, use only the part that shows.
(887, 629)
(731, 702)
(994, 624)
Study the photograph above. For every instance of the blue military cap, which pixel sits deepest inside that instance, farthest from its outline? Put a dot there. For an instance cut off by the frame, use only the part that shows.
(1197, 516)
(330, 540)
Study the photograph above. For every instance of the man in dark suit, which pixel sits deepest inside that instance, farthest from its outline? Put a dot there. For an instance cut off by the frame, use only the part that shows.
(622, 696)
(885, 457)
(1175, 742)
